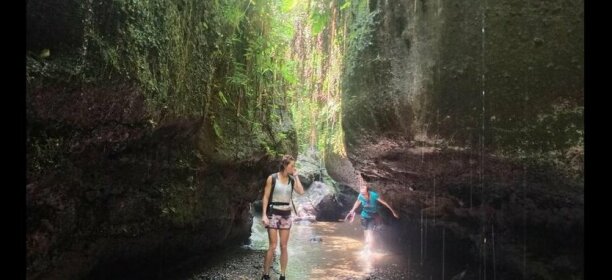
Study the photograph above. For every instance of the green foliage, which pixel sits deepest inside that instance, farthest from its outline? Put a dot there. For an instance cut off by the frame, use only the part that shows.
(360, 35)
(346, 5)
(236, 63)
(319, 19)
(289, 72)
(288, 5)
(218, 131)
(327, 50)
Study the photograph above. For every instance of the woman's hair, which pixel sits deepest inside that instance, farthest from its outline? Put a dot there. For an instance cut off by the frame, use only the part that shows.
(361, 181)
(285, 161)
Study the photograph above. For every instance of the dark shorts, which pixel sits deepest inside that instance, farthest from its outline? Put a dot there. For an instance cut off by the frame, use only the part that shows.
(279, 219)
(372, 223)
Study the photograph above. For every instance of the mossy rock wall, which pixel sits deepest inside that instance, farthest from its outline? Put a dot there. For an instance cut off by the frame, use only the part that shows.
(140, 150)
(468, 117)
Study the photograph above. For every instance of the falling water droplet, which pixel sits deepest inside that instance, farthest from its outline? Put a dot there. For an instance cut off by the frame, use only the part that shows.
(443, 245)
(493, 246)
(421, 237)
(482, 138)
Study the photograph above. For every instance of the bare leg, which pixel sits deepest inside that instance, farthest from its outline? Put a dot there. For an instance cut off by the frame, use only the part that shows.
(272, 241)
(284, 238)
(368, 238)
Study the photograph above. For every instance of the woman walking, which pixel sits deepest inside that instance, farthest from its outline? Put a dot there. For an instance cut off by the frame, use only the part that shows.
(370, 217)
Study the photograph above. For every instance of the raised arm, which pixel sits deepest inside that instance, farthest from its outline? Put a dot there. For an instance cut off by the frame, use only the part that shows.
(298, 185)
(387, 205)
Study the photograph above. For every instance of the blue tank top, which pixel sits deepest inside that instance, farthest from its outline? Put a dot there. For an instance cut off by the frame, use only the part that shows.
(370, 206)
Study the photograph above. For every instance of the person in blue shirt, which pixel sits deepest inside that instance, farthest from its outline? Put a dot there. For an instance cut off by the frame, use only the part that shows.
(370, 213)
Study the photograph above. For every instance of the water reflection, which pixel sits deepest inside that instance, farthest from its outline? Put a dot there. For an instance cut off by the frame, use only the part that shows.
(327, 250)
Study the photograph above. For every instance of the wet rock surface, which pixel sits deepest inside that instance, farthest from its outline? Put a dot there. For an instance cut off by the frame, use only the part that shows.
(239, 264)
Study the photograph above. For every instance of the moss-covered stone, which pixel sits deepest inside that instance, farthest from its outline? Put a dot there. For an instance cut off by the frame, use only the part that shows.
(141, 142)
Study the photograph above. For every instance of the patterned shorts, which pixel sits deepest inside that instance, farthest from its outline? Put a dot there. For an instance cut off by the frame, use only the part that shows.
(279, 221)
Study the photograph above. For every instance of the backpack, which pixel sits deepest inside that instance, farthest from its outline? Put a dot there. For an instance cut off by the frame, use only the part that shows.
(270, 203)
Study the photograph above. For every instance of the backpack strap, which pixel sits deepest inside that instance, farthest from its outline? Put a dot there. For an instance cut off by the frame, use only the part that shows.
(269, 207)
(292, 182)
(270, 203)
